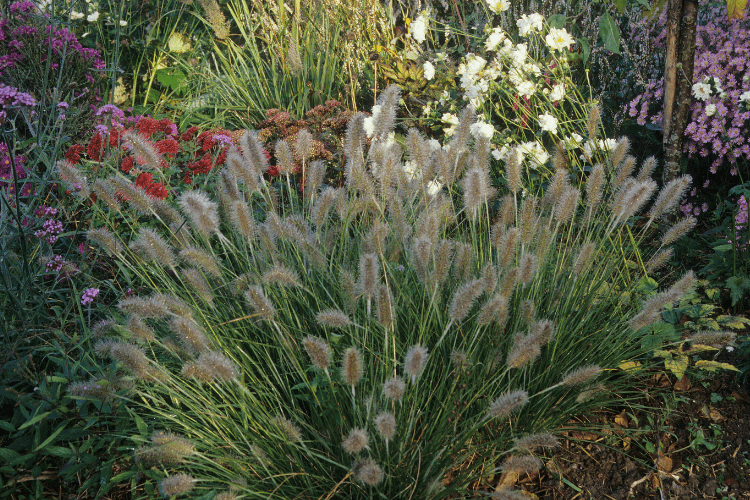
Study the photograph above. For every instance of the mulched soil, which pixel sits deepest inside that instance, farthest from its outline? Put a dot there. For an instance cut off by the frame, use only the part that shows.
(686, 441)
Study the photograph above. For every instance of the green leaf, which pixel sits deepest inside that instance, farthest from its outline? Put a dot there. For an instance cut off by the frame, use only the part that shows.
(34, 420)
(586, 47)
(736, 8)
(7, 426)
(713, 366)
(645, 4)
(620, 4)
(734, 322)
(737, 287)
(677, 365)
(9, 455)
(609, 33)
(556, 21)
(50, 438)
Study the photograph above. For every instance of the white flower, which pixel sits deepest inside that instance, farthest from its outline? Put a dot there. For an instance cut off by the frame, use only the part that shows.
(434, 145)
(369, 122)
(558, 92)
(607, 144)
(451, 120)
(745, 96)
(519, 53)
(478, 129)
(418, 28)
(429, 70)
(412, 170)
(434, 187)
(498, 6)
(701, 91)
(123, 22)
(710, 109)
(474, 64)
(558, 39)
(75, 15)
(92, 17)
(526, 88)
(497, 154)
(572, 141)
(494, 39)
(529, 23)
(534, 151)
(548, 123)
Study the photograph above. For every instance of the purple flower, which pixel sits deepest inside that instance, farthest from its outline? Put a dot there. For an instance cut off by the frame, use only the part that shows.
(88, 295)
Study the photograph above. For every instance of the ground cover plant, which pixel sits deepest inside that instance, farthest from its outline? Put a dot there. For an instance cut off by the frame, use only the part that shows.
(231, 314)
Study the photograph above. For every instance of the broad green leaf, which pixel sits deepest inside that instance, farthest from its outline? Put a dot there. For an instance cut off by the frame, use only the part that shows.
(723, 248)
(34, 420)
(629, 366)
(645, 4)
(738, 285)
(620, 4)
(609, 33)
(51, 438)
(712, 366)
(734, 322)
(677, 365)
(700, 348)
(556, 21)
(736, 8)
(663, 354)
(586, 47)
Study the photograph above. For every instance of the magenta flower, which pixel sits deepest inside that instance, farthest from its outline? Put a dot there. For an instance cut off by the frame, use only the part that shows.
(88, 295)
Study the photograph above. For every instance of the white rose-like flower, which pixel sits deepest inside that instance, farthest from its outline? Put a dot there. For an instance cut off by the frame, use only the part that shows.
(474, 64)
(557, 93)
(710, 109)
(745, 96)
(548, 123)
(369, 122)
(701, 91)
(92, 17)
(452, 120)
(123, 23)
(573, 141)
(418, 28)
(75, 15)
(494, 39)
(526, 88)
(529, 23)
(498, 6)
(434, 187)
(535, 152)
(607, 144)
(482, 129)
(558, 39)
(412, 170)
(429, 70)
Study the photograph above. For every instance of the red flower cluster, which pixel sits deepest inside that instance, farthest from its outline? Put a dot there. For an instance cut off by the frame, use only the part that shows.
(146, 182)
(148, 126)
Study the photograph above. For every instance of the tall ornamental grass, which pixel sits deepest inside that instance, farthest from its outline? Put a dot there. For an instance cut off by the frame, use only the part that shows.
(384, 338)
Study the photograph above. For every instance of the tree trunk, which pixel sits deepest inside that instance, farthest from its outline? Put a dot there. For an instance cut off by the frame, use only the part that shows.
(674, 12)
(679, 112)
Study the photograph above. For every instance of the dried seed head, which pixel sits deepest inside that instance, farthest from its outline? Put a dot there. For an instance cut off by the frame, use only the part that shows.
(105, 238)
(527, 311)
(133, 357)
(139, 330)
(566, 205)
(560, 160)
(202, 259)
(527, 268)
(333, 318)
(166, 449)
(624, 172)
(590, 393)
(489, 278)
(348, 288)
(203, 213)
(385, 424)
(527, 464)
(659, 259)
(95, 388)
(477, 191)
(509, 495)
(304, 145)
(178, 484)
(463, 264)
(670, 196)
(242, 219)
(211, 367)
(508, 282)
(73, 177)
(284, 157)
(105, 191)
(189, 333)
(315, 177)
(459, 360)
(593, 122)
(368, 472)
(145, 151)
(525, 350)
(288, 429)
(443, 260)
(495, 310)
(355, 441)
(631, 197)
(463, 299)
(228, 191)
(508, 247)
(678, 230)
(507, 404)
(595, 187)
(585, 258)
(328, 198)
(318, 350)
(260, 304)
(369, 274)
(581, 375)
(533, 442)
(543, 331)
(282, 276)
(253, 152)
(352, 367)
(386, 118)
(153, 248)
(529, 219)
(394, 388)
(506, 217)
(243, 170)
(621, 150)
(144, 307)
(712, 338)
(136, 197)
(384, 305)
(415, 361)
(648, 167)
(356, 137)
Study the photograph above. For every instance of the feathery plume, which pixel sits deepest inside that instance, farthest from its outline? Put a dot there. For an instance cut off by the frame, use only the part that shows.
(384, 305)
(477, 191)
(712, 338)
(513, 169)
(581, 375)
(527, 268)
(421, 255)
(463, 299)
(585, 258)
(624, 172)
(136, 197)
(282, 276)
(133, 357)
(228, 184)
(621, 150)
(94, 388)
(333, 318)
(288, 429)
(254, 152)
(215, 18)
(593, 121)
(178, 484)
(145, 151)
(595, 187)
(527, 311)
(73, 177)
(659, 259)
(153, 247)
(139, 329)
(105, 238)
(241, 217)
(631, 197)
(489, 277)
(386, 118)
(243, 170)
(304, 145)
(560, 160)
(105, 191)
(509, 281)
(328, 198)
(368, 472)
(496, 309)
(203, 213)
(211, 367)
(528, 464)
(415, 361)
(352, 367)
(318, 350)
(529, 219)
(355, 441)
(189, 333)
(532, 442)
(260, 304)
(174, 305)
(314, 178)
(394, 388)
(669, 196)
(385, 424)
(557, 186)
(543, 330)
(524, 351)
(459, 359)
(506, 217)
(143, 307)
(369, 274)
(508, 495)
(678, 230)
(463, 264)
(566, 205)
(590, 393)
(200, 258)
(648, 167)
(356, 137)
(198, 283)
(348, 287)
(284, 157)
(508, 403)
(508, 246)
(443, 260)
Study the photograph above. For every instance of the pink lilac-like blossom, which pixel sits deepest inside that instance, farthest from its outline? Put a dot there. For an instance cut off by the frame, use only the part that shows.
(88, 295)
